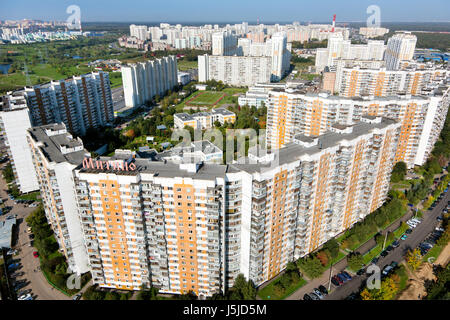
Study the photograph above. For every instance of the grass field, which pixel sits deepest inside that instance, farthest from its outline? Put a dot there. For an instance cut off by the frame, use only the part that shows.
(40, 73)
(267, 293)
(184, 65)
(205, 98)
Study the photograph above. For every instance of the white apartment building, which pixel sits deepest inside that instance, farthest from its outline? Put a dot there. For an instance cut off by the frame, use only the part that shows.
(81, 102)
(223, 44)
(144, 80)
(140, 32)
(55, 155)
(14, 123)
(339, 48)
(400, 47)
(373, 32)
(234, 70)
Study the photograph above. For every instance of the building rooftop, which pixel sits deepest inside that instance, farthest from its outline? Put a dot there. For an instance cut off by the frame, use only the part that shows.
(57, 144)
(6, 228)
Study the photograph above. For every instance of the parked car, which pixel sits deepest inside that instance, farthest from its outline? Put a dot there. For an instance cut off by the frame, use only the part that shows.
(35, 254)
(374, 260)
(25, 297)
(78, 297)
(408, 231)
(313, 296)
(394, 264)
(13, 266)
(384, 253)
(336, 281)
(347, 275)
(305, 297)
(342, 277)
(386, 270)
(361, 271)
(19, 286)
(396, 243)
(318, 293)
(323, 290)
(389, 248)
(404, 237)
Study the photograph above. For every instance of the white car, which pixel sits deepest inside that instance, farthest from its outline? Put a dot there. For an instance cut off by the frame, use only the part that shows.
(411, 224)
(25, 297)
(416, 220)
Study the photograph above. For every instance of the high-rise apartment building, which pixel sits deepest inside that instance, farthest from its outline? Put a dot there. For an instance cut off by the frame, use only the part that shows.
(281, 57)
(400, 46)
(223, 44)
(14, 123)
(81, 102)
(339, 48)
(421, 118)
(144, 80)
(249, 64)
(55, 155)
(195, 226)
(140, 32)
(358, 81)
(235, 70)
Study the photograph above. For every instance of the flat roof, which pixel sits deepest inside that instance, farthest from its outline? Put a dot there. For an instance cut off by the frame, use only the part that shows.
(6, 233)
(51, 145)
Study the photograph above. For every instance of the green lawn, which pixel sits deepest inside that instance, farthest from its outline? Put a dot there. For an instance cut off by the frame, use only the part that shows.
(375, 251)
(267, 291)
(433, 253)
(116, 79)
(29, 196)
(205, 98)
(184, 65)
(40, 73)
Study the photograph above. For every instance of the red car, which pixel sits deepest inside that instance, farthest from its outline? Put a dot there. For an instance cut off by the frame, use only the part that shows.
(35, 254)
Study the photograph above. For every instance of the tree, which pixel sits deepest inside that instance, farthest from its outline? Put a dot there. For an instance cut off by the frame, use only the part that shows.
(311, 266)
(8, 173)
(355, 261)
(243, 289)
(333, 247)
(414, 258)
(399, 172)
(323, 257)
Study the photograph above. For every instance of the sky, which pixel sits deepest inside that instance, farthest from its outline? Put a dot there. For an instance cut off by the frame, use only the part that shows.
(227, 10)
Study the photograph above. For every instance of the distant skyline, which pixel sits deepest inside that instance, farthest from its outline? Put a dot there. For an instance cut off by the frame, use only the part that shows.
(198, 11)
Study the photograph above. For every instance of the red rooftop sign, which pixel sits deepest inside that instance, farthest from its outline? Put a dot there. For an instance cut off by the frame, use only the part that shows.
(88, 163)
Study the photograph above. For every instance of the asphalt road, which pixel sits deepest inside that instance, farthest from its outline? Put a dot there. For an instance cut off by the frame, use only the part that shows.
(418, 234)
(118, 98)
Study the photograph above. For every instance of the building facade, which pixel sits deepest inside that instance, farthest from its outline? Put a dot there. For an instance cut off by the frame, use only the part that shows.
(81, 102)
(194, 226)
(144, 80)
(55, 155)
(14, 123)
(421, 117)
